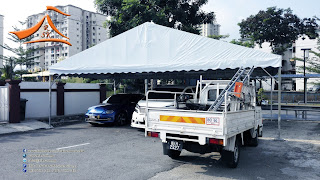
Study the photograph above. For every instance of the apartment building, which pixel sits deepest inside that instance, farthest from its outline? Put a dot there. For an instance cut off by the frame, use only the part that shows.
(83, 28)
(1, 40)
(210, 29)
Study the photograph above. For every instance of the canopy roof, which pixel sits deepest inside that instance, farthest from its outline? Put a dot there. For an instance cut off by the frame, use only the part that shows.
(151, 48)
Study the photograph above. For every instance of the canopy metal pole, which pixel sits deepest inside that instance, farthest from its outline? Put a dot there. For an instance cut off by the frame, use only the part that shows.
(50, 98)
(114, 86)
(145, 86)
(271, 101)
(151, 82)
(279, 105)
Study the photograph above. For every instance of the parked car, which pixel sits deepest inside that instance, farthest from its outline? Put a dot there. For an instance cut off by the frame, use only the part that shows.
(115, 109)
(316, 88)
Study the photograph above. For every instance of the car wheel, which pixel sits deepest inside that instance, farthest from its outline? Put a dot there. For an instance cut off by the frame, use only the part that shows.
(93, 124)
(231, 158)
(121, 119)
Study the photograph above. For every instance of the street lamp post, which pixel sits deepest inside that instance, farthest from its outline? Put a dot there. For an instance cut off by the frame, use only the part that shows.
(305, 56)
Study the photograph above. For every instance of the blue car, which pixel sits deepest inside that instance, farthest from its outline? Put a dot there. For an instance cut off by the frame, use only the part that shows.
(116, 109)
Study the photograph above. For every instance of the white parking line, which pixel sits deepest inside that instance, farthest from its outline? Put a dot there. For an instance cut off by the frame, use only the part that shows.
(73, 146)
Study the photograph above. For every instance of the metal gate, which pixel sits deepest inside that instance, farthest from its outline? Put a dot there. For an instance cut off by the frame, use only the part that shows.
(4, 104)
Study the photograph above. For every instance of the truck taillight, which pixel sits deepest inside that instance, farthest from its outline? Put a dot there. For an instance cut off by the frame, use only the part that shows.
(153, 134)
(216, 141)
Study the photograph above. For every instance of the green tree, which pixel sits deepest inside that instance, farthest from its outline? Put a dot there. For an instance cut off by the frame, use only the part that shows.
(22, 55)
(218, 37)
(261, 96)
(249, 44)
(184, 15)
(279, 27)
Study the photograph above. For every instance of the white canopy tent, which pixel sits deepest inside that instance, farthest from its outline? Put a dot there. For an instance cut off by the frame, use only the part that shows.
(154, 48)
(151, 48)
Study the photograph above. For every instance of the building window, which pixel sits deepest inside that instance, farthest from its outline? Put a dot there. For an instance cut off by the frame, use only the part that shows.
(94, 22)
(52, 50)
(94, 28)
(93, 34)
(66, 54)
(94, 40)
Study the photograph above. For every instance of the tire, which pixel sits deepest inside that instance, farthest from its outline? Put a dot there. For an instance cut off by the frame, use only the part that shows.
(249, 141)
(260, 134)
(231, 158)
(174, 154)
(121, 119)
(93, 124)
(254, 141)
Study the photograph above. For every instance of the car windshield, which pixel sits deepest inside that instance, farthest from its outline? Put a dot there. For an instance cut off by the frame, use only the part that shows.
(123, 98)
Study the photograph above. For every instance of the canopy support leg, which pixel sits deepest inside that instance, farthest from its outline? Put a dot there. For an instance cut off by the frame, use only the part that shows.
(145, 86)
(51, 81)
(279, 106)
(271, 100)
(50, 99)
(114, 86)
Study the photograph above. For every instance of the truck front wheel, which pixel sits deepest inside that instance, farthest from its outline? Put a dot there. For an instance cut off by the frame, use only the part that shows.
(231, 158)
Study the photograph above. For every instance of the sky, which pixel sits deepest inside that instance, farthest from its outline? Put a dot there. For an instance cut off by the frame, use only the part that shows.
(228, 12)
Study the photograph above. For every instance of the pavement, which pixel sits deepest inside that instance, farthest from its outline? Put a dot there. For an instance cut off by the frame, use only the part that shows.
(23, 126)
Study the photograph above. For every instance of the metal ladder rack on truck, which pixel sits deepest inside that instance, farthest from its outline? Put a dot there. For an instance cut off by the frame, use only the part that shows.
(220, 117)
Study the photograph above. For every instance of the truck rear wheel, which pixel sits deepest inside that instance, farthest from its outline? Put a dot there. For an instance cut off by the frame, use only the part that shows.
(174, 154)
(231, 158)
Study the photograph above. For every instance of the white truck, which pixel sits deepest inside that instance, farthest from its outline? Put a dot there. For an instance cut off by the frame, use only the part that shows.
(220, 117)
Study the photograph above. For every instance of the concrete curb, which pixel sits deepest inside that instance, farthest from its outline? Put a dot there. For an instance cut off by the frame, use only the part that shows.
(24, 126)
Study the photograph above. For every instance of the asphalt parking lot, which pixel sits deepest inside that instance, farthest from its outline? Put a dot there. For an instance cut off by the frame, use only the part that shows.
(110, 152)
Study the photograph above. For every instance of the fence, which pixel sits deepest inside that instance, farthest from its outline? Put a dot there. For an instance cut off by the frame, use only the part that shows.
(67, 99)
(4, 104)
(293, 96)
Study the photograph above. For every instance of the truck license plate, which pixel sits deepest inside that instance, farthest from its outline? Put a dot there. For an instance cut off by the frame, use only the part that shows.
(175, 145)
